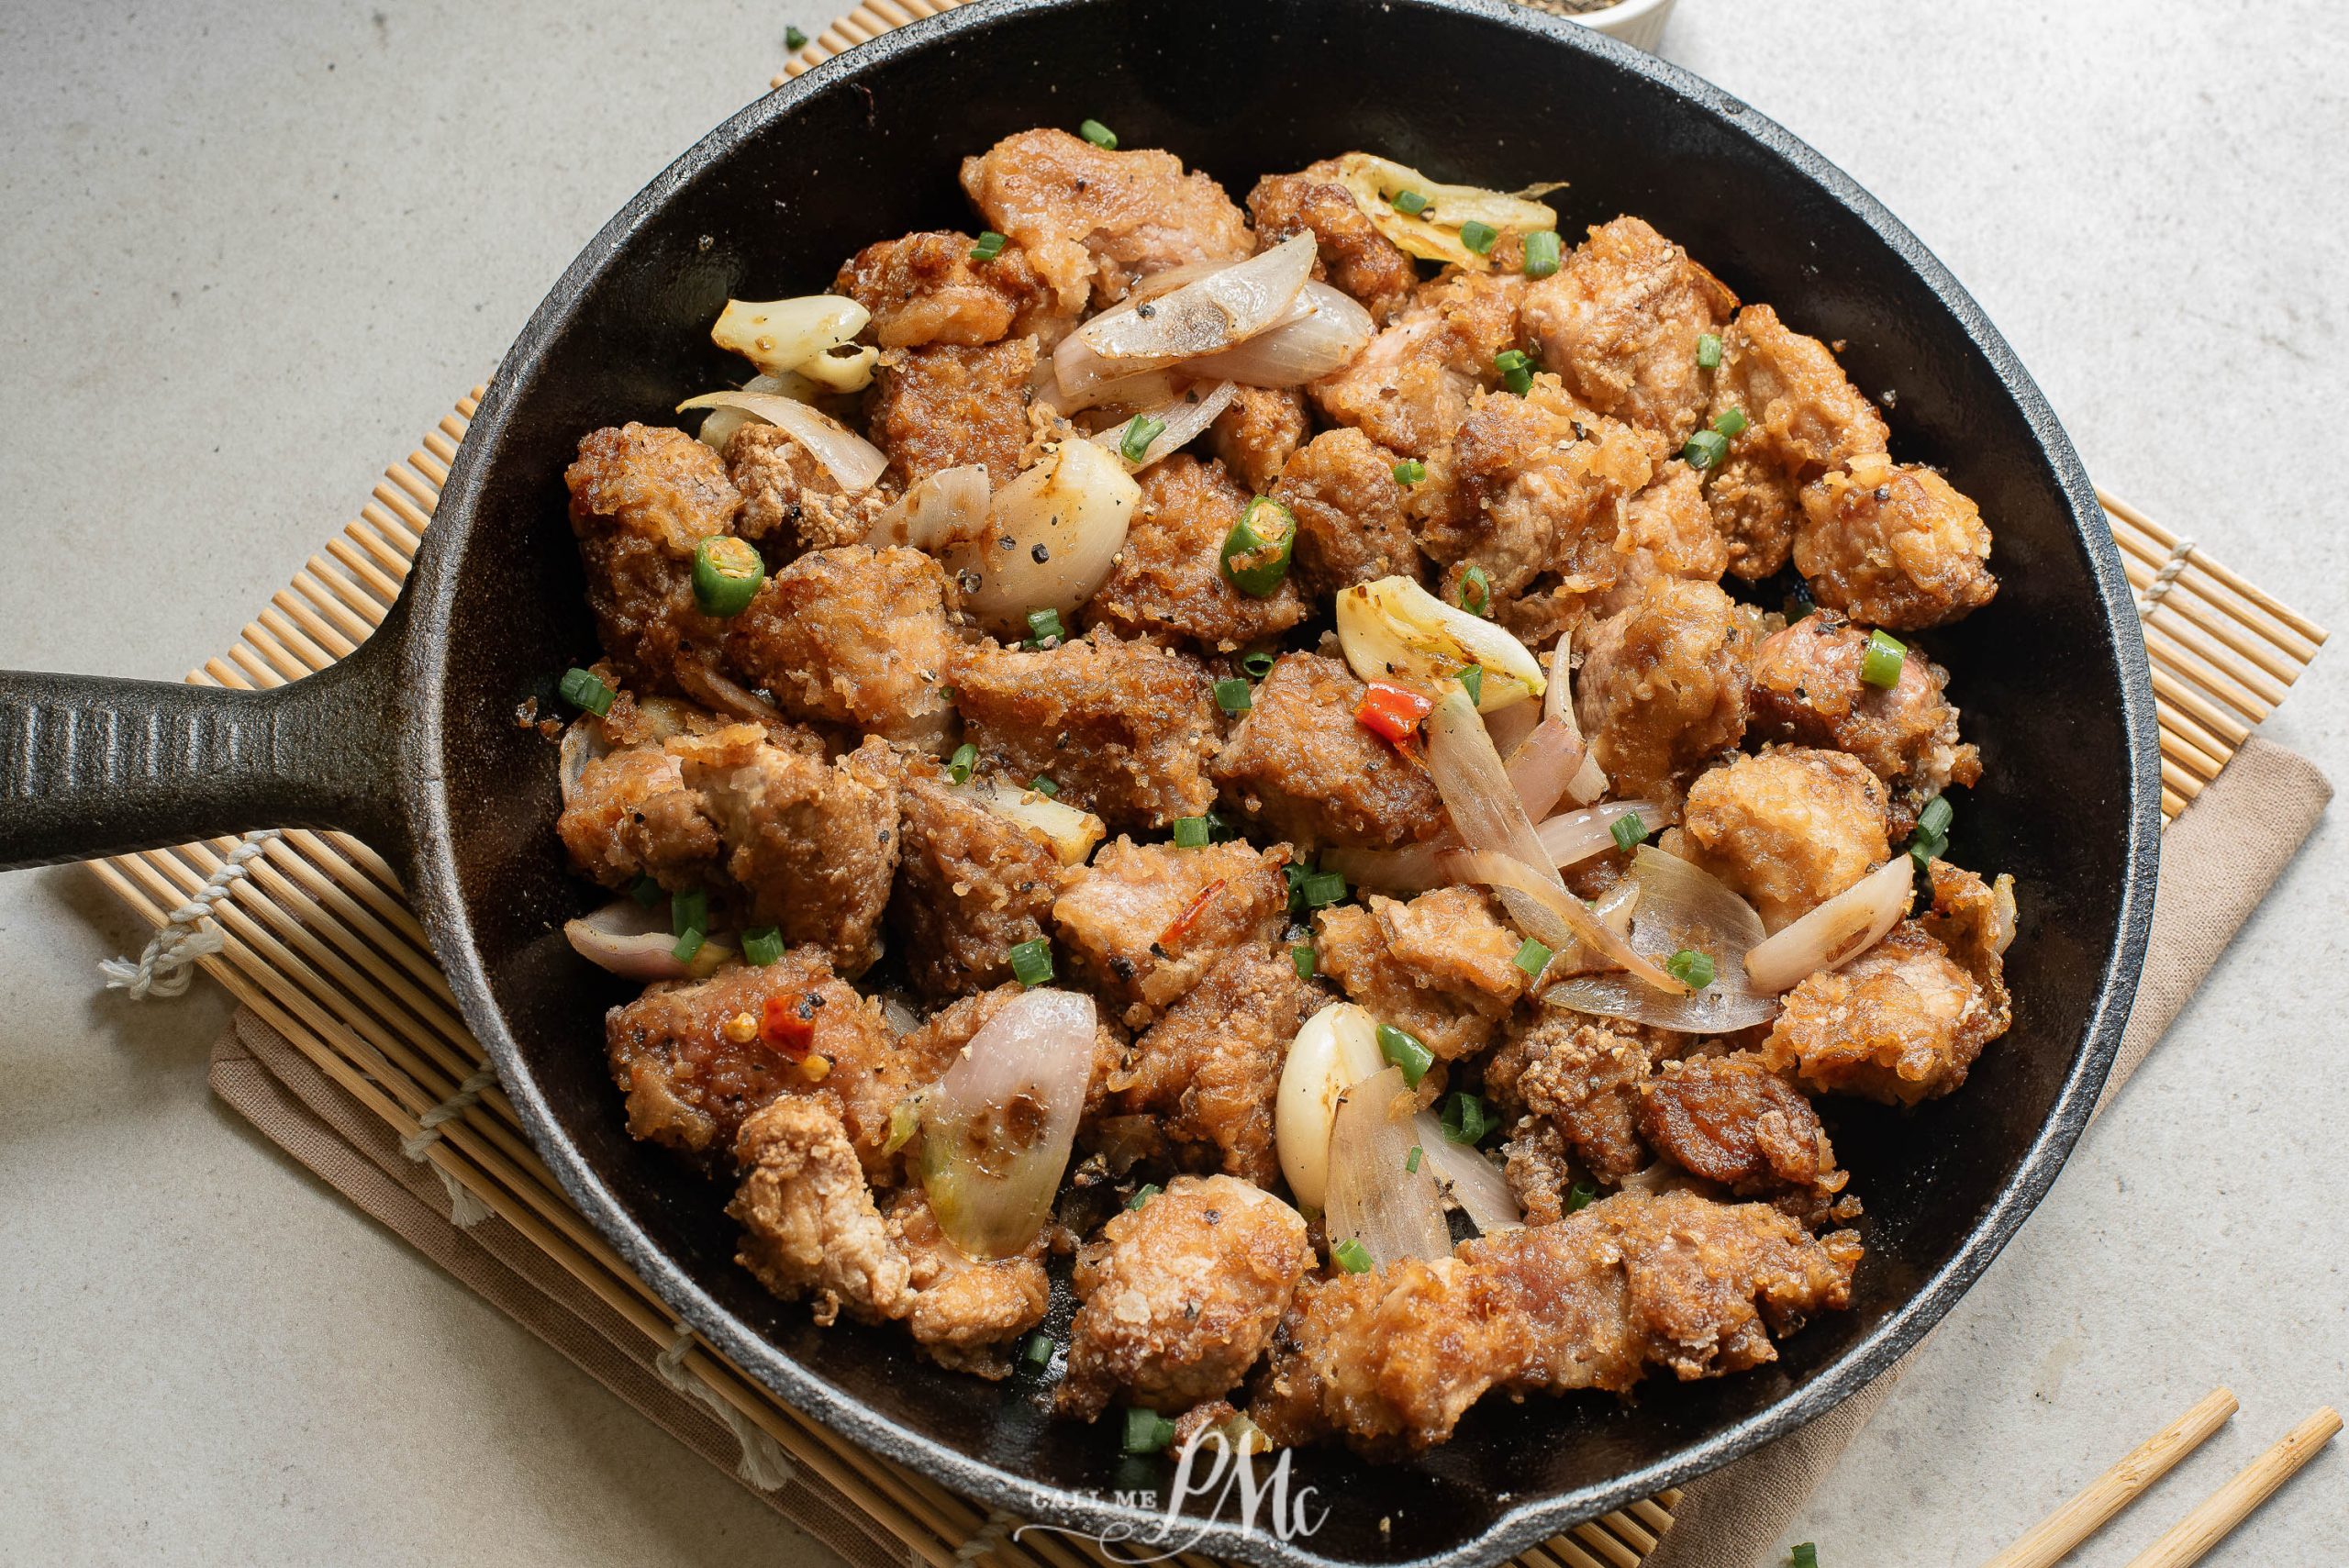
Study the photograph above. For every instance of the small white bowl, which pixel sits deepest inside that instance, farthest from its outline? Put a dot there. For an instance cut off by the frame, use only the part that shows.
(1639, 22)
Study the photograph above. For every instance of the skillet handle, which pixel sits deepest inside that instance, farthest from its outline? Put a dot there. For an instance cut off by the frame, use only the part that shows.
(92, 766)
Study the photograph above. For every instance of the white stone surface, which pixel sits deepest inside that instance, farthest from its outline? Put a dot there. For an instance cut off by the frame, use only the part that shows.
(248, 251)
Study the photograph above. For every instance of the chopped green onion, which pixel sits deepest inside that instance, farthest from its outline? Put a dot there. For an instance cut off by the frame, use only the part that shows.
(1045, 626)
(1580, 1195)
(793, 39)
(1140, 431)
(1805, 1556)
(1323, 888)
(1220, 828)
(1532, 958)
(1542, 253)
(1628, 831)
(1042, 784)
(1143, 1194)
(1880, 665)
(1037, 1352)
(1478, 236)
(1472, 680)
(1256, 551)
(1099, 135)
(1412, 1161)
(1410, 471)
(1476, 593)
(1232, 696)
(762, 947)
(1708, 353)
(1731, 423)
(989, 247)
(1147, 1431)
(959, 765)
(688, 945)
(1301, 955)
(1932, 838)
(688, 912)
(1351, 1256)
(1190, 832)
(1410, 204)
(1465, 1119)
(1517, 369)
(1691, 968)
(1402, 1049)
(1258, 665)
(581, 689)
(728, 575)
(1031, 962)
(646, 892)
(1705, 449)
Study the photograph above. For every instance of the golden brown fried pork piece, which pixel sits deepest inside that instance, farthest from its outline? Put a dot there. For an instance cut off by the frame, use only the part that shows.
(1146, 922)
(1357, 259)
(1169, 579)
(1893, 545)
(1619, 321)
(1442, 966)
(630, 813)
(1789, 829)
(947, 407)
(1301, 765)
(641, 498)
(1124, 728)
(1579, 1077)
(791, 502)
(1210, 1068)
(809, 1223)
(1729, 1119)
(964, 1312)
(1664, 685)
(1390, 1361)
(854, 636)
(1256, 435)
(1350, 525)
(929, 288)
(1182, 1296)
(1092, 221)
(1410, 389)
(971, 885)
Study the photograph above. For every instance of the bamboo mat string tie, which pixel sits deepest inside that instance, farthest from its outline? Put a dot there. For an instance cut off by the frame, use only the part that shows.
(2181, 555)
(168, 964)
(988, 1537)
(466, 1210)
(763, 1466)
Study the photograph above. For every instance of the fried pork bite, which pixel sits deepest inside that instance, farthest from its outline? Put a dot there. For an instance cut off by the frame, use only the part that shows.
(963, 1312)
(1390, 1361)
(810, 1227)
(1803, 416)
(1350, 252)
(1442, 967)
(973, 883)
(641, 498)
(1905, 1020)
(1181, 1296)
(1664, 686)
(1350, 525)
(1123, 728)
(1619, 321)
(1169, 578)
(790, 502)
(929, 288)
(1209, 1069)
(630, 813)
(695, 1058)
(1302, 766)
(1731, 1120)
(1806, 689)
(1410, 389)
(1788, 829)
(1571, 1082)
(1893, 544)
(1258, 432)
(1092, 221)
(1145, 922)
(947, 407)
(853, 636)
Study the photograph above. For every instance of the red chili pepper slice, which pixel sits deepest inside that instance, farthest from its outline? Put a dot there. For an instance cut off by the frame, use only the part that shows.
(1393, 712)
(788, 1025)
(1183, 923)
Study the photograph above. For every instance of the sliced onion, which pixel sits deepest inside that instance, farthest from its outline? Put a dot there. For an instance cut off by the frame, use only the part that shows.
(1337, 1048)
(1071, 833)
(1468, 1180)
(1228, 305)
(1614, 908)
(898, 1013)
(1322, 331)
(582, 744)
(1403, 872)
(636, 943)
(1434, 234)
(718, 425)
(1143, 389)
(1510, 725)
(947, 507)
(998, 1128)
(1589, 781)
(1541, 768)
(1573, 837)
(1680, 906)
(1837, 931)
(1186, 417)
(1374, 1197)
(852, 461)
(1392, 630)
(1077, 503)
(780, 335)
(1568, 919)
(725, 694)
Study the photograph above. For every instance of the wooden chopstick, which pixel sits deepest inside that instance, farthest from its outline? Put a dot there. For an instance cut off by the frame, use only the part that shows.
(2049, 1541)
(2198, 1532)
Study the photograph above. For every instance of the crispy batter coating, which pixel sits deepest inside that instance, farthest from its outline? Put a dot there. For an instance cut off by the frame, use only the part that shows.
(1350, 525)
(1258, 432)
(1803, 418)
(1390, 1361)
(1210, 1068)
(1302, 766)
(946, 406)
(971, 885)
(1145, 922)
(1580, 1077)
(853, 636)
(1125, 728)
(1619, 321)
(1441, 967)
(1806, 689)
(1092, 221)
(809, 1219)
(1788, 829)
(964, 1312)
(1663, 687)
(1182, 1296)
(1410, 389)
(631, 814)
(1731, 1120)
(1893, 544)
(926, 288)
(1169, 578)
(791, 502)
(641, 498)
(1356, 258)
(1538, 1167)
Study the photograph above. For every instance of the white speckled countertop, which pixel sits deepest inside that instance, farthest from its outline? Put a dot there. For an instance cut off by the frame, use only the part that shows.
(250, 250)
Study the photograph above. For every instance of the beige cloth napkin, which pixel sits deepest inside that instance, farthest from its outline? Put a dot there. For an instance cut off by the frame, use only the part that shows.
(2217, 863)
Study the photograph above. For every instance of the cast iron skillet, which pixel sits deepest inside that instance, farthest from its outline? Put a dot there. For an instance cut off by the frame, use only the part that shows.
(412, 742)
